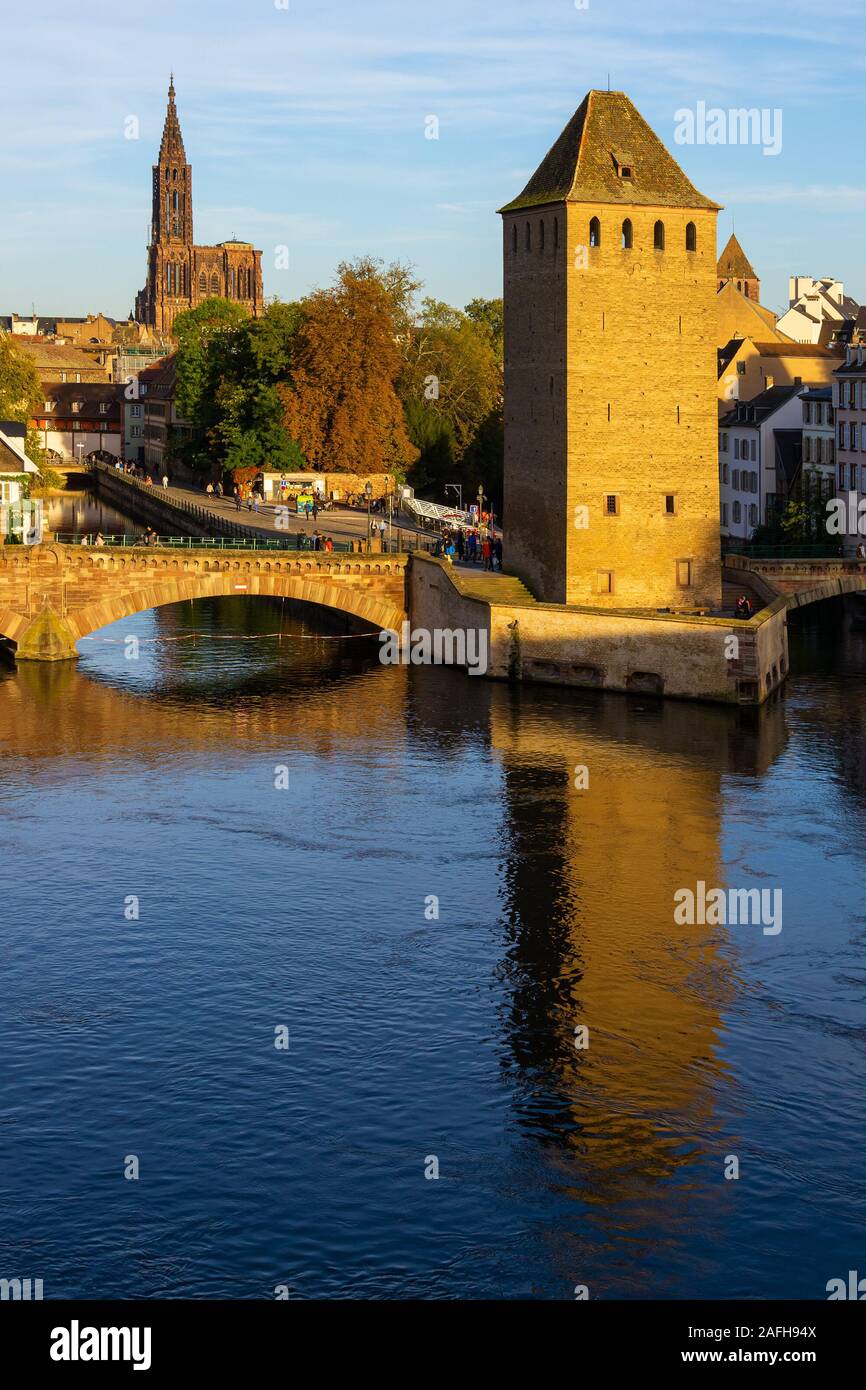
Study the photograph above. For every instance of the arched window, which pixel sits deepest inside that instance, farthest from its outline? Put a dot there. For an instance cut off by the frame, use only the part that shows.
(167, 175)
(627, 235)
(232, 283)
(691, 237)
(528, 237)
(595, 232)
(214, 283)
(541, 235)
(202, 283)
(659, 236)
(556, 233)
(174, 200)
(174, 176)
(514, 239)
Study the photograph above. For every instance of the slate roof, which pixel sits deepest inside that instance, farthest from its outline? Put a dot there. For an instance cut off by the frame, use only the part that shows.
(766, 403)
(734, 262)
(605, 134)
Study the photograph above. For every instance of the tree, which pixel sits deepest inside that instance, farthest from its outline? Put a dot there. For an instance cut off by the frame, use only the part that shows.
(451, 373)
(341, 404)
(489, 314)
(199, 332)
(20, 387)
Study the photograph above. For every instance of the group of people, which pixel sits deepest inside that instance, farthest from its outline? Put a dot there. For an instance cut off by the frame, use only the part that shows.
(315, 542)
(471, 547)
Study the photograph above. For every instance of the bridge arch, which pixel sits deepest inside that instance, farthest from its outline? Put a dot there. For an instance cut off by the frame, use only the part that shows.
(67, 593)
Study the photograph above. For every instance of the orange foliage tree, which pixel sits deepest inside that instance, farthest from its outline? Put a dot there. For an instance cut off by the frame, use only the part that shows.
(341, 404)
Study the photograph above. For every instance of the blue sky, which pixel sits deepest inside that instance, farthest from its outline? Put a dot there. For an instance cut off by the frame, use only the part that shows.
(305, 127)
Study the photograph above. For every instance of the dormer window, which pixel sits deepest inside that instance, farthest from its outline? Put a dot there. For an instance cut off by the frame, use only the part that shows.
(623, 166)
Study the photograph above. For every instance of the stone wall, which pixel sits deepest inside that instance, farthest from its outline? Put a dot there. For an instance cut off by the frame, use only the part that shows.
(683, 657)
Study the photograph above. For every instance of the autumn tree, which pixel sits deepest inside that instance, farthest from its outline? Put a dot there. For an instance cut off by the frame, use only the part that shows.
(341, 405)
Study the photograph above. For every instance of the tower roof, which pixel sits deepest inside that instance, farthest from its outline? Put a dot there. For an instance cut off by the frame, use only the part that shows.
(734, 262)
(172, 140)
(608, 154)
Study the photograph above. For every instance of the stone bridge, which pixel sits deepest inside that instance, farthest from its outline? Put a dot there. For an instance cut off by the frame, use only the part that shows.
(53, 595)
(804, 581)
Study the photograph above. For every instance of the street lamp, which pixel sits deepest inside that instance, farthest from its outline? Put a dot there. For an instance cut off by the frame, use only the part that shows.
(458, 488)
(368, 493)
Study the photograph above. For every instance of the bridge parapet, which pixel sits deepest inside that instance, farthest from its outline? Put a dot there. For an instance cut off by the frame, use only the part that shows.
(807, 580)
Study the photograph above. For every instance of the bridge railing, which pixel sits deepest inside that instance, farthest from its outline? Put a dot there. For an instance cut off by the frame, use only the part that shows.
(824, 550)
(287, 543)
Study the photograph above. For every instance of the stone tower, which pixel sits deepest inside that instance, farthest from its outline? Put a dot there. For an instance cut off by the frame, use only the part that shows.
(179, 274)
(735, 266)
(611, 462)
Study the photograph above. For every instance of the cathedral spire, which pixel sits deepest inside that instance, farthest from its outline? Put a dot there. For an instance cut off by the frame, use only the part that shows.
(171, 148)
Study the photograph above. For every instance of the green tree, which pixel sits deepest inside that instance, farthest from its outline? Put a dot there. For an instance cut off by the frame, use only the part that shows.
(20, 387)
(489, 314)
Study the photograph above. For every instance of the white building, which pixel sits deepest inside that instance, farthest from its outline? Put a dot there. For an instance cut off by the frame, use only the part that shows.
(816, 309)
(819, 442)
(849, 401)
(760, 449)
(20, 519)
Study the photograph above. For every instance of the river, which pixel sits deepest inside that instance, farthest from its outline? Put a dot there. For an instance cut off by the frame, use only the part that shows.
(287, 932)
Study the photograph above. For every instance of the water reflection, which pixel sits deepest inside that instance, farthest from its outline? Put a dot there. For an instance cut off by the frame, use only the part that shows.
(454, 1036)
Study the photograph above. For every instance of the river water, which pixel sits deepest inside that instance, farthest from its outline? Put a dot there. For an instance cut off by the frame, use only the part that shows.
(251, 832)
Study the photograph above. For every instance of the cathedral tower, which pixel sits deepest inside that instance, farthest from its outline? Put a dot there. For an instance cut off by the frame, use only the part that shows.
(611, 463)
(179, 274)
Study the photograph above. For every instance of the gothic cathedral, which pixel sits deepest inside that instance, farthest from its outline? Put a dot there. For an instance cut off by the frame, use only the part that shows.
(179, 274)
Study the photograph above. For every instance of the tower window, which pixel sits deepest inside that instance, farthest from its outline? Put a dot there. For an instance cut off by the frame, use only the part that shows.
(514, 239)
(202, 283)
(691, 237)
(214, 284)
(595, 232)
(684, 574)
(604, 580)
(556, 233)
(611, 504)
(659, 236)
(528, 237)
(627, 235)
(670, 504)
(541, 235)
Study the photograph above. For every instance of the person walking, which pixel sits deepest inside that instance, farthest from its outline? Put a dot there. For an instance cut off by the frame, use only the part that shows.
(238, 498)
(301, 537)
(209, 489)
(487, 553)
(218, 490)
(497, 553)
(165, 482)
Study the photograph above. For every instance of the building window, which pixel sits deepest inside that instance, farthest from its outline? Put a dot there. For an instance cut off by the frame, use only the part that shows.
(611, 504)
(736, 447)
(595, 232)
(556, 233)
(723, 443)
(659, 236)
(736, 480)
(842, 471)
(670, 504)
(737, 511)
(103, 408)
(48, 405)
(62, 376)
(528, 237)
(684, 574)
(627, 235)
(724, 472)
(604, 581)
(540, 238)
(753, 515)
(741, 369)
(514, 239)
(691, 237)
(724, 513)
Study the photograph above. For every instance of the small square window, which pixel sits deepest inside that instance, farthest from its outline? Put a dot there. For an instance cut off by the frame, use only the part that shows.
(611, 504)
(604, 581)
(670, 504)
